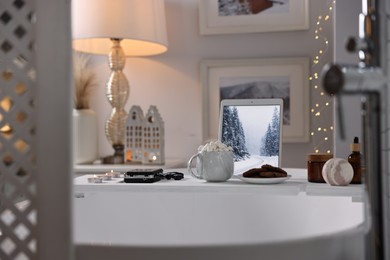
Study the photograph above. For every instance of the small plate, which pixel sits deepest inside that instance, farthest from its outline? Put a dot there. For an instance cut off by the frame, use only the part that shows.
(264, 180)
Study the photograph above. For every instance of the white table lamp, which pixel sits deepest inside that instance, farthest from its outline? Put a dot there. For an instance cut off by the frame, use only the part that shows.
(118, 28)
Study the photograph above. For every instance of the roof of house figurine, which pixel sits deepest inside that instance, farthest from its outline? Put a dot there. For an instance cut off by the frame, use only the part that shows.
(153, 117)
(136, 115)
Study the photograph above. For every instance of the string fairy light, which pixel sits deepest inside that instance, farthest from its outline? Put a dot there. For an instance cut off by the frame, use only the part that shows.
(322, 132)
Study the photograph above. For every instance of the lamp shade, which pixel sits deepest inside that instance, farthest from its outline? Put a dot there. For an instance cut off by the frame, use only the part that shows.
(140, 24)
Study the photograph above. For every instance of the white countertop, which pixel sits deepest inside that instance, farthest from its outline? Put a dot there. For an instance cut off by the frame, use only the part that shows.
(297, 184)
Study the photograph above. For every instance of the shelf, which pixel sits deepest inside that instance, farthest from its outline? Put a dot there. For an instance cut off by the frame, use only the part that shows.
(297, 185)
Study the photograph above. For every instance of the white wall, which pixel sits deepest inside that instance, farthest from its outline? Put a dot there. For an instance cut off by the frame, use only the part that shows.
(172, 80)
(346, 26)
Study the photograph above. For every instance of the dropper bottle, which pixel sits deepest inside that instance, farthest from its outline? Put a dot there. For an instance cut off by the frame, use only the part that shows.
(355, 159)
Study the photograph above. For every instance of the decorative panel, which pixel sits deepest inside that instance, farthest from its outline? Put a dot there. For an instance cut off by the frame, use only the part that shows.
(153, 135)
(133, 135)
(18, 213)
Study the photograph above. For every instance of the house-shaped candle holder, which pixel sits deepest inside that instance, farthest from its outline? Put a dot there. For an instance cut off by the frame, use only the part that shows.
(133, 136)
(153, 138)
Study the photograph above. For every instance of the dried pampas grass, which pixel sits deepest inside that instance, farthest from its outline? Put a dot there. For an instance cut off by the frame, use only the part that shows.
(84, 81)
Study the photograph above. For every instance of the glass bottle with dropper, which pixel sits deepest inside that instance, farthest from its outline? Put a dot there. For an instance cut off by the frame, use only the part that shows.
(355, 159)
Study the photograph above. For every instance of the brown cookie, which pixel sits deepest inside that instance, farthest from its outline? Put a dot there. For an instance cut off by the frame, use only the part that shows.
(266, 171)
(273, 168)
(270, 174)
(252, 173)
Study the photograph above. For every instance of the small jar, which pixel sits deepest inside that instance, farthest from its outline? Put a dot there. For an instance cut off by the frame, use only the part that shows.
(315, 162)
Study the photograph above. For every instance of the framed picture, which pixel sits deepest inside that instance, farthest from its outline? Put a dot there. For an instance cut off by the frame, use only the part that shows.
(285, 78)
(249, 16)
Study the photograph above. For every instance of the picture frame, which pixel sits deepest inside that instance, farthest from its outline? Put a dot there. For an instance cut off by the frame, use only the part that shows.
(283, 15)
(286, 78)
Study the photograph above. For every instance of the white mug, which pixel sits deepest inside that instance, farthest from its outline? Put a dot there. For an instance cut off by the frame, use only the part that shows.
(212, 166)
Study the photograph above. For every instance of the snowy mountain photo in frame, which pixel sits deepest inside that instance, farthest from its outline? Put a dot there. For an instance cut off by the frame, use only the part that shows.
(253, 128)
(284, 78)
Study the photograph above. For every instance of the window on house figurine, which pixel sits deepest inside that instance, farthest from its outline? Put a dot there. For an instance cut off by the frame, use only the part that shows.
(133, 135)
(153, 137)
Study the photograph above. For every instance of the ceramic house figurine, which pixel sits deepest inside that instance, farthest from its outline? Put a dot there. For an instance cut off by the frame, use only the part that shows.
(153, 138)
(133, 135)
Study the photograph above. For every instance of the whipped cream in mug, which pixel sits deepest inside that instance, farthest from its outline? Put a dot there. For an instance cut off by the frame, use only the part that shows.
(214, 146)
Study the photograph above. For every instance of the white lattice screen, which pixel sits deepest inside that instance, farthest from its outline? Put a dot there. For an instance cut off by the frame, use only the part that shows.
(18, 213)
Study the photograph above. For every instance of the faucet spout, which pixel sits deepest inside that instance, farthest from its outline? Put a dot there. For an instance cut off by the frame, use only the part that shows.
(369, 29)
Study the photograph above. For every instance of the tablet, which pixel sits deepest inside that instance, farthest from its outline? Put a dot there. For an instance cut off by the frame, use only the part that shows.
(253, 128)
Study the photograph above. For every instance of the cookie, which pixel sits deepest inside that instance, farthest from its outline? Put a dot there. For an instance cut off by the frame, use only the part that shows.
(252, 173)
(266, 171)
(273, 168)
(272, 174)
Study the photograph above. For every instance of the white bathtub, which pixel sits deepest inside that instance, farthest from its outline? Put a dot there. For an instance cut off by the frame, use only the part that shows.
(197, 220)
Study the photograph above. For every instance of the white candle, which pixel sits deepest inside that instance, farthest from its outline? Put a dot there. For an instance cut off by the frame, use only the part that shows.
(106, 177)
(95, 179)
(152, 157)
(115, 174)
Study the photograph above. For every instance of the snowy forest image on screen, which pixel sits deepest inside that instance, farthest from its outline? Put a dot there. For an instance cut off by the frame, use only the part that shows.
(254, 133)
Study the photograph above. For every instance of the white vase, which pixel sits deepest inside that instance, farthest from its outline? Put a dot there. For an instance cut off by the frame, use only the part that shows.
(85, 136)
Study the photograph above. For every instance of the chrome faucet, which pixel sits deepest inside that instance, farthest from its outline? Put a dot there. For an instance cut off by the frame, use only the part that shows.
(369, 31)
(367, 80)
